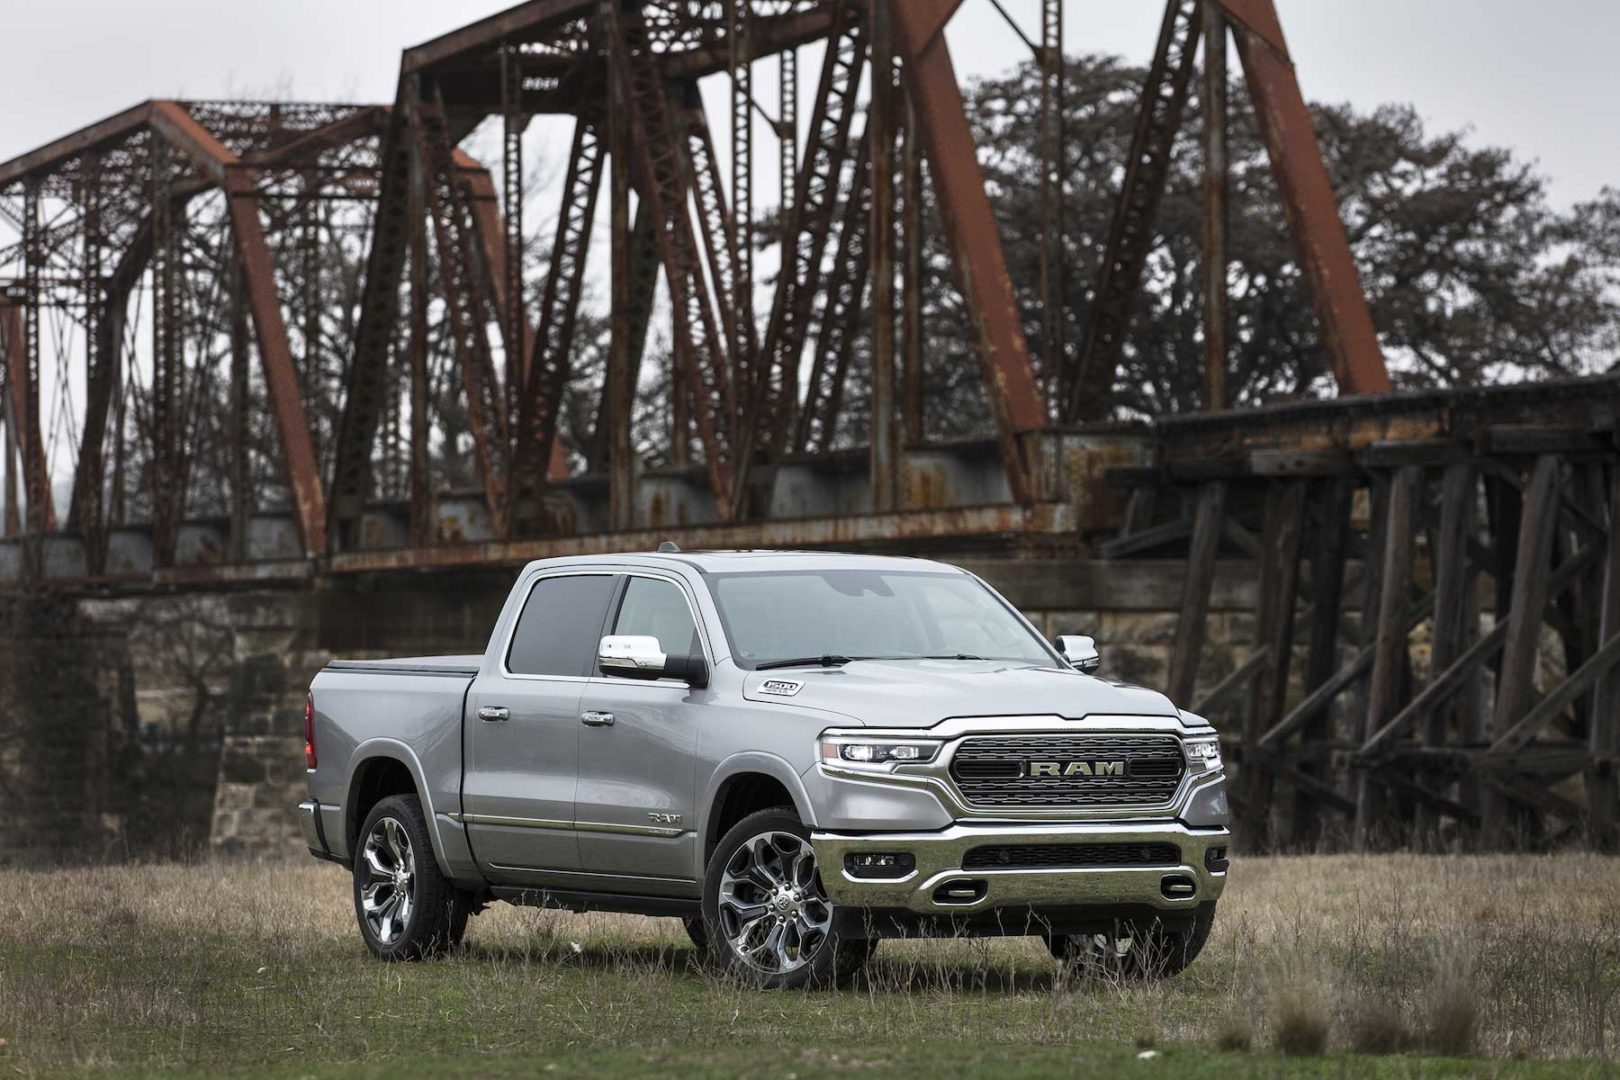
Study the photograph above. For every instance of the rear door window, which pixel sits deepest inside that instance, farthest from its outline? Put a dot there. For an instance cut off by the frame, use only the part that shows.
(560, 626)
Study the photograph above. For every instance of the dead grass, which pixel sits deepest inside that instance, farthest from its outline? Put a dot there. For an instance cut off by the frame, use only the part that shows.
(231, 966)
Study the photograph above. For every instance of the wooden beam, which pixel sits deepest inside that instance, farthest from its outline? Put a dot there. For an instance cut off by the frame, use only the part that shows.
(1521, 651)
(1335, 500)
(1390, 645)
(1274, 633)
(1602, 783)
(1191, 627)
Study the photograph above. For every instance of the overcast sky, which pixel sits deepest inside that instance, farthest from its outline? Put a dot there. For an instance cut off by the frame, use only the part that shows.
(1539, 78)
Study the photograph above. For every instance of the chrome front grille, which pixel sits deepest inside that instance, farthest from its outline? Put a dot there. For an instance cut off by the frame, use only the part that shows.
(1093, 771)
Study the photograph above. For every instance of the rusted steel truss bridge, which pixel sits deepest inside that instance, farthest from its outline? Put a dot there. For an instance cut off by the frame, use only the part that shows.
(274, 344)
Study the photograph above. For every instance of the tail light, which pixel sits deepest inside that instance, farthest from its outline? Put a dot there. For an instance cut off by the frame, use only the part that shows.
(309, 731)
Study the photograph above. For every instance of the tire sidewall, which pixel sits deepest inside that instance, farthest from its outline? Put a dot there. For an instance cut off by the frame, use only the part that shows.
(412, 943)
(822, 969)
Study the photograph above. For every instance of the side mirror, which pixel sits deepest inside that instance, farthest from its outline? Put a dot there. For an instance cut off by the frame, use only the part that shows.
(642, 658)
(1080, 652)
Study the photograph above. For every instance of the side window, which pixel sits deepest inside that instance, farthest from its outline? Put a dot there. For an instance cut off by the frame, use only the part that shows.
(557, 630)
(657, 608)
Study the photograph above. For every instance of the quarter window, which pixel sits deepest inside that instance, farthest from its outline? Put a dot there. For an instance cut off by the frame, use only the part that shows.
(558, 629)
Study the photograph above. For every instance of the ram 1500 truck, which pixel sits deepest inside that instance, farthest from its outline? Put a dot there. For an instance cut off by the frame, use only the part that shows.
(796, 754)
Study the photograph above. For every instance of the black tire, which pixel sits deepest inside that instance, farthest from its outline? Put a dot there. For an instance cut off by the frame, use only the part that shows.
(1145, 954)
(817, 959)
(699, 933)
(425, 917)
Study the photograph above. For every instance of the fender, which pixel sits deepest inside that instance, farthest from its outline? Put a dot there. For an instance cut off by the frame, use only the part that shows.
(394, 750)
(750, 761)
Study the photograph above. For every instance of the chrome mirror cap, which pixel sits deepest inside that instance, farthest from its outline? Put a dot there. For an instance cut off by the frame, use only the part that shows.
(632, 657)
(1080, 651)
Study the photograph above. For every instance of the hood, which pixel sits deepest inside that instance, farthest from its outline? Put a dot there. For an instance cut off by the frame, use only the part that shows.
(921, 693)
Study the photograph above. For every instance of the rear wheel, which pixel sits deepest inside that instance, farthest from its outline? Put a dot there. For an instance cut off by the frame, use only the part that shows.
(1134, 953)
(407, 908)
(765, 911)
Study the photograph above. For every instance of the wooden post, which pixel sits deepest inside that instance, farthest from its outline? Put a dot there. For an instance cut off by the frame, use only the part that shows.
(1452, 633)
(1390, 642)
(1191, 627)
(1274, 632)
(1602, 784)
(1515, 691)
(1335, 502)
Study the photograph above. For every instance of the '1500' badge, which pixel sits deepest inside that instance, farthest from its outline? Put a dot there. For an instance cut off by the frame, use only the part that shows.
(781, 687)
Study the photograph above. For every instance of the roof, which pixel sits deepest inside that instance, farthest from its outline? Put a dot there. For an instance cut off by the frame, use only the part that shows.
(745, 562)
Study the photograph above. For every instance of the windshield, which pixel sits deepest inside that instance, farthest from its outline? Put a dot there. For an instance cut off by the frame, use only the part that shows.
(858, 614)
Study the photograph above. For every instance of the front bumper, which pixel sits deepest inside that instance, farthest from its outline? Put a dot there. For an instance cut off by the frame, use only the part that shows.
(939, 886)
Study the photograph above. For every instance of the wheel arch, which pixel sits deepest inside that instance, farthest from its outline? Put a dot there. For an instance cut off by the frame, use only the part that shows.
(744, 783)
(381, 768)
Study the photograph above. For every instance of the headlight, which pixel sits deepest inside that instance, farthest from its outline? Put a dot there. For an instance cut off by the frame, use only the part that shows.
(1203, 755)
(875, 753)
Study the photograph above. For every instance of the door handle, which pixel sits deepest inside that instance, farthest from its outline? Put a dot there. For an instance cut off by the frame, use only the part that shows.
(494, 714)
(596, 719)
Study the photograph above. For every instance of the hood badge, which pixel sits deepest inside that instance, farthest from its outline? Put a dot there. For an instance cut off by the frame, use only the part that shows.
(781, 687)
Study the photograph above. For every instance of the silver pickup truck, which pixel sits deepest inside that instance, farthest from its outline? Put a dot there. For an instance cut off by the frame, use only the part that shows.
(796, 754)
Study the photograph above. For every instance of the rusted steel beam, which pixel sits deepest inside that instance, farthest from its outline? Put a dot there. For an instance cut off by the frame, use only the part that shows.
(23, 433)
(275, 358)
(366, 382)
(855, 531)
(885, 462)
(970, 226)
(525, 22)
(736, 288)
(550, 364)
(423, 524)
(214, 159)
(1131, 238)
(841, 316)
(1054, 317)
(613, 445)
(729, 261)
(46, 157)
(912, 240)
(699, 355)
(469, 305)
(240, 463)
(767, 421)
(1217, 347)
(39, 512)
(1308, 199)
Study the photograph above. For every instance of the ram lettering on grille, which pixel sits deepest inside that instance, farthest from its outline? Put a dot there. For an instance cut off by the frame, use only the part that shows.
(1086, 771)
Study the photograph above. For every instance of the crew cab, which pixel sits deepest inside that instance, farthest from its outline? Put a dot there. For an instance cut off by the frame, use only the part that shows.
(797, 754)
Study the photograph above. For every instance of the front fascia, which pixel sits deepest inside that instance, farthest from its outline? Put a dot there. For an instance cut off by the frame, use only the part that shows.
(932, 782)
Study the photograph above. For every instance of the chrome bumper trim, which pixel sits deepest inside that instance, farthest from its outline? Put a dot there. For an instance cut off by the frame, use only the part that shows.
(939, 857)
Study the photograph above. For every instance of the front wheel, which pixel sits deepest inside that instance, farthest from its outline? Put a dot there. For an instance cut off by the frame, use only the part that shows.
(1137, 953)
(766, 913)
(407, 908)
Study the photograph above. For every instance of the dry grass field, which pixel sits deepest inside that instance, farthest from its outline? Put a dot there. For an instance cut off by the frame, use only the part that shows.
(1386, 966)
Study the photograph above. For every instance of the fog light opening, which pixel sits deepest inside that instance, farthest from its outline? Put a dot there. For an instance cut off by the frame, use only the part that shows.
(880, 865)
(965, 891)
(1215, 860)
(1177, 887)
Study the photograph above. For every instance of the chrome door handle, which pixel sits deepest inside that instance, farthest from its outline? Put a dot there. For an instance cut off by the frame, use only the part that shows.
(596, 719)
(494, 714)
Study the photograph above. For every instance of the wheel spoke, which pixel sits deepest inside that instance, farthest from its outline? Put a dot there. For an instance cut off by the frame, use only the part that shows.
(374, 862)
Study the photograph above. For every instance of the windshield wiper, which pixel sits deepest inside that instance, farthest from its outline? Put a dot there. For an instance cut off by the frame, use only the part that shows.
(955, 656)
(830, 660)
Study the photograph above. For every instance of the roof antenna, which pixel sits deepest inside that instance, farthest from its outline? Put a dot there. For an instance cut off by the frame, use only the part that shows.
(669, 547)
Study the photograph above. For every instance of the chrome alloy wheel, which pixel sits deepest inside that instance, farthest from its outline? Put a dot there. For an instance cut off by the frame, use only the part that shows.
(389, 894)
(772, 908)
